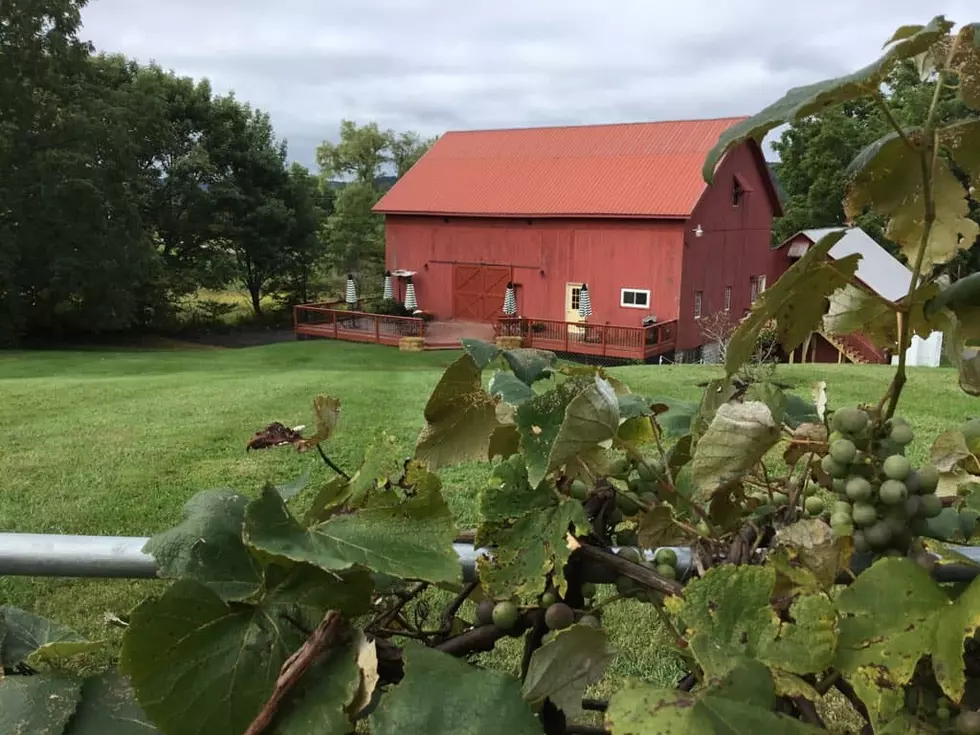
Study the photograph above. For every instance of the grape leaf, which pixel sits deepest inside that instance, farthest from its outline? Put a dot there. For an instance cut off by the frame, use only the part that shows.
(207, 546)
(879, 645)
(326, 412)
(949, 450)
(969, 372)
(37, 705)
(511, 390)
(291, 489)
(482, 353)
(317, 703)
(525, 525)
(564, 668)
(383, 463)
(887, 177)
(632, 406)
(800, 412)
(954, 625)
(409, 539)
(505, 441)
(854, 309)
(966, 62)
(802, 102)
(441, 694)
(539, 420)
(591, 417)
(741, 704)
(729, 620)
(657, 528)
(812, 544)
(29, 638)
(962, 139)
(716, 394)
(459, 418)
(739, 435)
(201, 665)
(635, 431)
(676, 419)
(530, 364)
(771, 395)
(963, 299)
(108, 707)
(796, 301)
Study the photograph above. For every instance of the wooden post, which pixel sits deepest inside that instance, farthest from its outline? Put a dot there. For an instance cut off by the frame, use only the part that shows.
(566, 336)
(605, 328)
(336, 327)
(377, 330)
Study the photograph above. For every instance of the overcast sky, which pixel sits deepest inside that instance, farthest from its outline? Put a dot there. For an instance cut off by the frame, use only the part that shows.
(437, 65)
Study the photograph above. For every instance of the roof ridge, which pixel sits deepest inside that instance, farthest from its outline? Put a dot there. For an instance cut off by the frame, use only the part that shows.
(581, 126)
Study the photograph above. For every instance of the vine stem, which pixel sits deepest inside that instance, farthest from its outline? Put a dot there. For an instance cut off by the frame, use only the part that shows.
(296, 665)
(927, 167)
(330, 464)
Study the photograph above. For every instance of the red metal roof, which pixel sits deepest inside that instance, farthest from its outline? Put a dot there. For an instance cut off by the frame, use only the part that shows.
(626, 170)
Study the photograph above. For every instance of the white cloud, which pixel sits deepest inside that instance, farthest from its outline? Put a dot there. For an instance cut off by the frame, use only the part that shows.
(433, 65)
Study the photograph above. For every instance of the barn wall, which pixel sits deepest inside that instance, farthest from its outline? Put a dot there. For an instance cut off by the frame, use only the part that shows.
(735, 246)
(544, 255)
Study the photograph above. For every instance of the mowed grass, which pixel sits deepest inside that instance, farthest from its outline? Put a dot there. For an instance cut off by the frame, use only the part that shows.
(115, 442)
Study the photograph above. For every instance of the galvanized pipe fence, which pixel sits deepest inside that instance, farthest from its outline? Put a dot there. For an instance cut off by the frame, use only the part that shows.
(115, 557)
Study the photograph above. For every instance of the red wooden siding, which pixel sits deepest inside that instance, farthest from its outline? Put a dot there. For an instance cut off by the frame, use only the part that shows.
(735, 246)
(543, 256)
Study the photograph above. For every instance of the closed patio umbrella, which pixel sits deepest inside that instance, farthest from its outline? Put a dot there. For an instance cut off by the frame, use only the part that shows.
(510, 301)
(351, 296)
(410, 303)
(584, 302)
(389, 293)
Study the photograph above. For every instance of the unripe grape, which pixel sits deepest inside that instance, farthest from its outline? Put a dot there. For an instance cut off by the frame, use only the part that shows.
(505, 615)
(578, 490)
(833, 468)
(892, 492)
(901, 434)
(857, 488)
(549, 598)
(849, 420)
(667, 570)
(967, 722)
(814, 505)
(666, 556)
(591, 621)
(843, 451)
(588, 590)
(630, 554)
(928, 479)
(559, 616)
(897, 467)
(840, 519)
(864, 514)
(878, 535)
(861, 544)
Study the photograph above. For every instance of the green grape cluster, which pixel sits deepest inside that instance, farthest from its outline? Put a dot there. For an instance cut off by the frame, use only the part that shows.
(664, 563)
(882, 500)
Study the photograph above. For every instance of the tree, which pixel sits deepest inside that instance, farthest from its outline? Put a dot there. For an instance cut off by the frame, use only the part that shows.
(816, 151)
(407, 149)
(354, 232)
(361, 154)
(74, 253)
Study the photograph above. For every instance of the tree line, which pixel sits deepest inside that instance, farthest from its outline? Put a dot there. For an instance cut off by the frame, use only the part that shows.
(815, 154)
(124, 188)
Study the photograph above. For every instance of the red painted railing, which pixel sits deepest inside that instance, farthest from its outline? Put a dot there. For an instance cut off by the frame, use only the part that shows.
(859, 344)
(603, 340)
(354, 326)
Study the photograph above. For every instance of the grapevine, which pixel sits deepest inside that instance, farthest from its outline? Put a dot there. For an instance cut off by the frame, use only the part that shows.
(789, 547)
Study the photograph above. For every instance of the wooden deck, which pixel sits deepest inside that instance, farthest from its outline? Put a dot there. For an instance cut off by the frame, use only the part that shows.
(599, 340)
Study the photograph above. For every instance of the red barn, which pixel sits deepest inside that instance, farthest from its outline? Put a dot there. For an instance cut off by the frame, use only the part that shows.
(622, 208)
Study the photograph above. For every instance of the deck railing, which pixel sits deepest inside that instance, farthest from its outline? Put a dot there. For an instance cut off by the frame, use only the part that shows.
(859, 344)
(603, 340)
(354, 326)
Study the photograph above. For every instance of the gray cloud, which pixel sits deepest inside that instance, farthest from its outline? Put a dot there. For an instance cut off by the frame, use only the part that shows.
(436, 65)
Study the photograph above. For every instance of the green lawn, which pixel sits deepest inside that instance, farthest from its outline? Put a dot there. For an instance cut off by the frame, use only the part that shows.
(115, 443)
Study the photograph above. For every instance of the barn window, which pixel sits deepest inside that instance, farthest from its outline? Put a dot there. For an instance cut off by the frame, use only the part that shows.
(576, 297)
(737, 192)
(757, 284)
(634, 298)
(697, 304)
(728, 298)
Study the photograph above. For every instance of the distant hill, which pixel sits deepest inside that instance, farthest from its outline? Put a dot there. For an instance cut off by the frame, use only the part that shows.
(382, 182)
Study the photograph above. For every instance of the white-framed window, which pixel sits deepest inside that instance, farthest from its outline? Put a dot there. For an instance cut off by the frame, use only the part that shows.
(697, 304)
(757, 284)
(634, 298)
(728, 298)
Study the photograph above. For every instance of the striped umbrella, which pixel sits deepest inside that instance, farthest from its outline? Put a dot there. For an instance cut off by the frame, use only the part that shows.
(389, 294)
(351, 295)
(584, 302)
(510, 301)
(410, 303)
